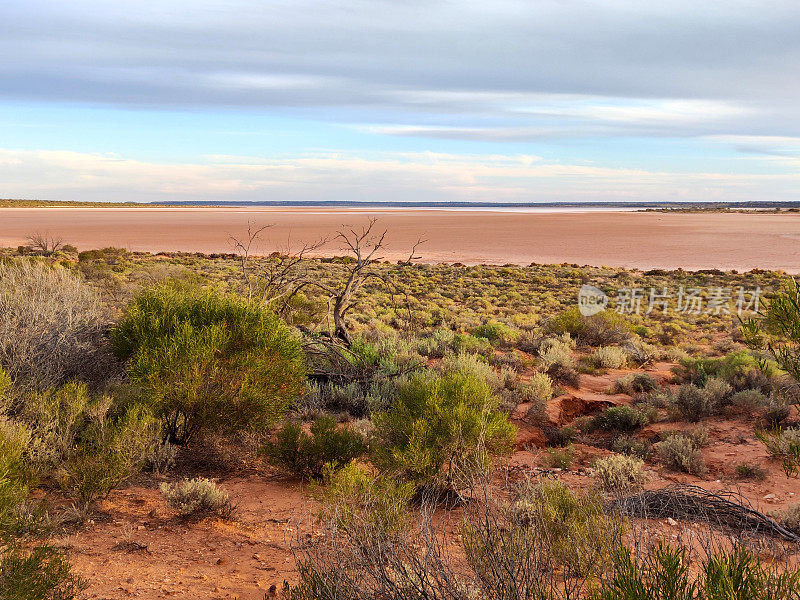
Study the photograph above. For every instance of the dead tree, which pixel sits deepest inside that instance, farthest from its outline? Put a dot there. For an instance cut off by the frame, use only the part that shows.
(279, 278)
(44, 243)
(285, 275)
(363, 245)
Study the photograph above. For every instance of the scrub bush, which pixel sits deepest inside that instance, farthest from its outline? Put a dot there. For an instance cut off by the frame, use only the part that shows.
(620, 474)
(197, 497)
(440, 428)
(52, 327)
(207, 361)
(308, 455)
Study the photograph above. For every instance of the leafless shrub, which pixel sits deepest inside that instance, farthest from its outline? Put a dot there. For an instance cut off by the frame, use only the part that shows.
(44, 243)
(52, 326)
(285, 275)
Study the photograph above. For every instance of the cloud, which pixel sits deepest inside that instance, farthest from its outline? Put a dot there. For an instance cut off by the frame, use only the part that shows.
(544, 69)
(382, 176)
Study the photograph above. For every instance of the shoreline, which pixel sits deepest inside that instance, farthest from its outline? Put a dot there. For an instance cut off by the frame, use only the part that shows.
(614, 238)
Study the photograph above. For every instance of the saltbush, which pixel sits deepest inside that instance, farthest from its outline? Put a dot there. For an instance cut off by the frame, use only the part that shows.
(783, 444)
(620, 474)
(539, 388)
(634, 383)
(692, 403)
(627, 444)
(197, 497)
(209, 361)
(680, 453)
(609, 357)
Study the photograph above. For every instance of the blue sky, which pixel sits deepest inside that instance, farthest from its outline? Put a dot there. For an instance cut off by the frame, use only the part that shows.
(535, 101)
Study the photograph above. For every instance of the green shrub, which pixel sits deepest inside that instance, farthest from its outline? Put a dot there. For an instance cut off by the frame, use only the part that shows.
(437, 423)
(354, 498)
(609, 357)
(209, 361)
(39, 574)
(496, 332)
(14, 441)
(469, 344)
(573, 528)
(620, 474)
(307, 455)
(738, 574)
(664, 574)
(107, 454)
(620, 418)
(472, 365)
(631, 446)
(559, 458)
(739, 369)
(602, 329)
(56, 417)
(5, 386)
(783, 444)
(680, 453)
(197, 497)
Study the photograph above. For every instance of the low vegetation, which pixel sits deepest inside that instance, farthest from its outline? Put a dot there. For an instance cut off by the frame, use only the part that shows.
(393, 391)
(197, 498)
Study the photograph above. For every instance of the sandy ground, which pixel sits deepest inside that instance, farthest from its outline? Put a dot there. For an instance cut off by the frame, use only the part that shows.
(621, 239)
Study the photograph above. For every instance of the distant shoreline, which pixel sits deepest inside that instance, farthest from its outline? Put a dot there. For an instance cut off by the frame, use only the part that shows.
(765, 206)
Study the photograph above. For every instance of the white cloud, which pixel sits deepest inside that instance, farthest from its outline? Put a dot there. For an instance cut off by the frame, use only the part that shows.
(381, 176)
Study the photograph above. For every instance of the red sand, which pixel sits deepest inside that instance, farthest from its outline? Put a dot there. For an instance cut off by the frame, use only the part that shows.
(623, 239)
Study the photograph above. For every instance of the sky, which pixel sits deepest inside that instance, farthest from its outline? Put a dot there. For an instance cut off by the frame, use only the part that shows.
(400, 100)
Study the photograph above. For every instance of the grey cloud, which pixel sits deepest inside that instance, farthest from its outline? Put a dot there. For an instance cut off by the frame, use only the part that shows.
(375, 55)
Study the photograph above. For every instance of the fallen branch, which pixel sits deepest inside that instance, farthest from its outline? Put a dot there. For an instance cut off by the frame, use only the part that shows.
(727, 510)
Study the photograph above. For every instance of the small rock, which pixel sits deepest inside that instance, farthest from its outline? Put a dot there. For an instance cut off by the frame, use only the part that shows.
(672, 522)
